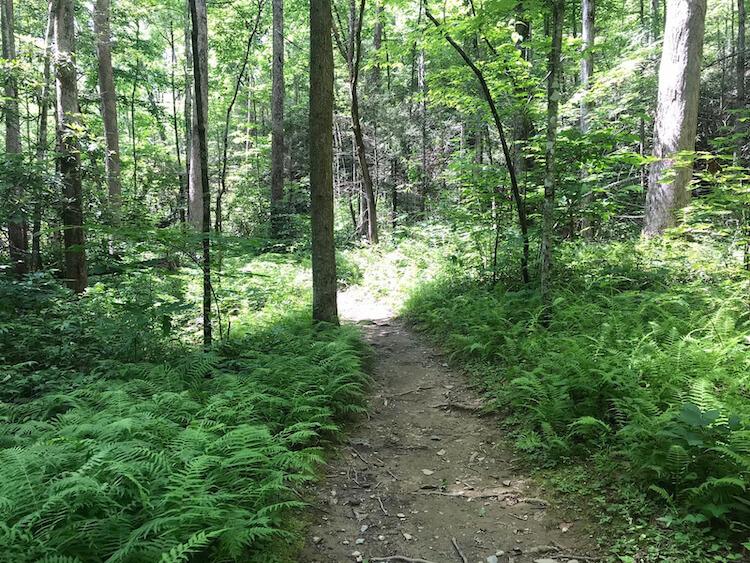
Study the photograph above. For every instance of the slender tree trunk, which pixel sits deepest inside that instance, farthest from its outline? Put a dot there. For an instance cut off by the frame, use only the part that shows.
(108, 96)
(553, 101)
(587, 69)
(520, 204)
(321, 163)
(277, 120)
(181, 176)
(200, 72)
(354, 56)
(655, 21)
(676, 114)
(741, 20)
(41, 146)
(68, 151)
(17, 227)
(196, 205)
(188, 114)
(422, 83)
(228, 118)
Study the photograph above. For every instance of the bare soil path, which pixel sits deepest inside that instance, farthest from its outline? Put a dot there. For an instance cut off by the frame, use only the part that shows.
(426, 478)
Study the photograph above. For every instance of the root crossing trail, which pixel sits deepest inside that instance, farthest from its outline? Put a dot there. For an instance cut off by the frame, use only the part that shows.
(426, 478)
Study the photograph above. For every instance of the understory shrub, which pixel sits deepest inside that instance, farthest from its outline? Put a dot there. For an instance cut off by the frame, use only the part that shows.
(164, 453)
(645, 358)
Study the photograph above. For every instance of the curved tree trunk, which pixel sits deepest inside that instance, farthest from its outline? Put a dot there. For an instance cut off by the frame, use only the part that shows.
(321, 163)
(676, 113)
(68, 150)
(109, 106)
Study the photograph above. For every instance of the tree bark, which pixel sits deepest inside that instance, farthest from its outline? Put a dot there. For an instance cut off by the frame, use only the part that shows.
(17, 227)
(188, 114)
(352, 52)
(68, 150)
(199, 40)
(655, 21)
(108, 96)
(277, 120)
(520, 204)
(41, 146)
(324, 307)
(553, 101)
(741, 20)
(676, 114)
(587, 69)
(200, 73)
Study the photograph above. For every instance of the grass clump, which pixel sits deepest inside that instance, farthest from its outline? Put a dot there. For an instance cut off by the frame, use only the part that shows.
(153, 450)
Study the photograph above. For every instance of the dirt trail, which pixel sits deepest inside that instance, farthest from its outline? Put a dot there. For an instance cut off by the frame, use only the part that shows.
(426, 477)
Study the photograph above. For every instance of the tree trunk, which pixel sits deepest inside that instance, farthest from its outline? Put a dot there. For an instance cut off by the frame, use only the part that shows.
(181, 176)
(200, 38)
(188, 115)
(741, 20)
(520, 204)
(655, 21)
(587, 69)
(200, 73)
(277, 120)
(41, 147)
(68, 150)
(109, 106)
(422, 84)
(553, 101)
(17, 228)
(321, 163)
(676, 113)
(354, 57)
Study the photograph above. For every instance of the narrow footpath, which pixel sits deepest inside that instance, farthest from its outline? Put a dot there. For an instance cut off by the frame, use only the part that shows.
(426, 478)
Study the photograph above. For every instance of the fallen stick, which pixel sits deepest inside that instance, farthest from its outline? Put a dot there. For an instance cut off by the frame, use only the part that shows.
(380, 501)
(417, 390)
(458, 550)
(401, 558)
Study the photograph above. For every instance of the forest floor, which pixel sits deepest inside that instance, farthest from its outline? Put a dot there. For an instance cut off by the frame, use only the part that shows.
(427, 477)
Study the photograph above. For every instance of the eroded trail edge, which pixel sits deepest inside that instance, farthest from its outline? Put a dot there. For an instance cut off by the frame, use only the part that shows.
(426, 477)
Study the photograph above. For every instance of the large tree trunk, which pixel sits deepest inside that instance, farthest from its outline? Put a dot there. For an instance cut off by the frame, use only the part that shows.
(587, 69)
(17, 228)
(553, 101)
(109, 106)
(321, 162)
(676, 113)
(277, 120)
(200, 38)
(199, 44)
(68, 150)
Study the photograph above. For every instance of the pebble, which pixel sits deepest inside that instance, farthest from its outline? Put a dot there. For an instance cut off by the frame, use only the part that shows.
(317, 539)
(492, 559)
(381, 537)
(401, 515)
(407, 537)
(360, 541)
(545, 560)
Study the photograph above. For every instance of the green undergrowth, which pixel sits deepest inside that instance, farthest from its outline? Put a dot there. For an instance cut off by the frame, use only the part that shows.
(120, 440)
(636, 390)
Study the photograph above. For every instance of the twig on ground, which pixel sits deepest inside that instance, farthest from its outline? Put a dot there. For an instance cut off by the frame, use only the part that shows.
(402, 558)
(391, 474)
(458, 550)
(380, 502)
(417, 390)
(579, 557)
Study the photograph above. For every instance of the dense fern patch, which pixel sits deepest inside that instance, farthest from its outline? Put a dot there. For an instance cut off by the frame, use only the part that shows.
(111, 455)
(645, 357)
